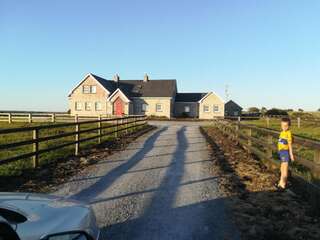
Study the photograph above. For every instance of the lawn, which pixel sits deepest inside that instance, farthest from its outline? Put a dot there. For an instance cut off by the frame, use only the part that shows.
(16, 168)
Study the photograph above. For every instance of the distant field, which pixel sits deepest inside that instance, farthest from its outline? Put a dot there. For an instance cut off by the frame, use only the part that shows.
(308, 129)
(17, 167)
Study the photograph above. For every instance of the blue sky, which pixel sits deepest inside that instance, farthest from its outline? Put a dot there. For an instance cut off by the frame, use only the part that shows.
(268, 52)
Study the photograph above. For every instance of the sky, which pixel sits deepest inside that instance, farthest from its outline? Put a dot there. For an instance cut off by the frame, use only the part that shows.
(267, 52)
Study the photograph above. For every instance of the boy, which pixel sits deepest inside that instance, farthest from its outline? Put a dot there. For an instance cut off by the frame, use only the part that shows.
(285, 152)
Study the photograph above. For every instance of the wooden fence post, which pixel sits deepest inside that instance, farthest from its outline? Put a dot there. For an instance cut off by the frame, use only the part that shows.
(30, 118)
(299, 122)
(77, 145)
(9, 118)
(99, 130)
(317, 156)
(53, 117)
(35, 158)
(268, 122)
(239, 119)
(249, 132)
(127, 125)
(269, 149)
(117, 127)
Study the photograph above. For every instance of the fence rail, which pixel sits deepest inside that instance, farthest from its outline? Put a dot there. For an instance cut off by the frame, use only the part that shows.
(45, 117)
(298, 121)
(115, 126)
(261, 142)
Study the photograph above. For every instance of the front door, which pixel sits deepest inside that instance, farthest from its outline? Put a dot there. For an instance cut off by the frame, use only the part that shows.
(118, 107)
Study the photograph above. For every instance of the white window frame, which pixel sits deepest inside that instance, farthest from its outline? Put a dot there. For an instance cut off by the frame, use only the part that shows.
(88, 106)
(96, 104)
(86, 89)
(214, 108)
(93, 89)
(159, 109)
(187, 108)
(144, 107)
(206, 108)
(78, 106)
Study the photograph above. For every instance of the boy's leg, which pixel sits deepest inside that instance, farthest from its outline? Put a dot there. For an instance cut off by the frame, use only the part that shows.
(284, 174)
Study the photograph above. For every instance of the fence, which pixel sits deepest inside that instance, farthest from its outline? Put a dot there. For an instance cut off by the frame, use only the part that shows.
(114, 126)
(45, 117)
(299, 122)
(262, 143)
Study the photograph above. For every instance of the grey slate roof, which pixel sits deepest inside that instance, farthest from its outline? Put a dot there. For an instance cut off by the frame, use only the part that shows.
(232, 104)
(189, 97)
(139, 88)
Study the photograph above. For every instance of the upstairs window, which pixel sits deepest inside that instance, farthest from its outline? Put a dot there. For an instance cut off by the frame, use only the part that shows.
(78, 106)
(216, 108)
(98, 106)
(93, 89)
(86, 89)
(88, 106)
(206, 108)
(89, 89)
(158, 107)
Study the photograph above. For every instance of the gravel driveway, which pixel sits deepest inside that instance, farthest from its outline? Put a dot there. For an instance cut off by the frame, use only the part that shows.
(160, 187)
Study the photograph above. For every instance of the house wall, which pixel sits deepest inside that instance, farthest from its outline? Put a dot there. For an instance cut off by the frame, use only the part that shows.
(151, 109)
(78, 96)
(210, 101)
(179, 108)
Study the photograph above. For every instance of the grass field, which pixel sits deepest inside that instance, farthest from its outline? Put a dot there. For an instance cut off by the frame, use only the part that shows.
(17, 167)
(307, 129)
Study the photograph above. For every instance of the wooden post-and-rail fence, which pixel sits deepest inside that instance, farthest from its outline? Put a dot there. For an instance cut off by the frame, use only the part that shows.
(262, 143)
(104, 127)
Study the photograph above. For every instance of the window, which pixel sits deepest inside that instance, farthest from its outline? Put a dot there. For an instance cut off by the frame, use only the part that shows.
(216, 108)
(78, 106)
(158, 107)
(144, 107)
(98, 106)
(206, 108)
(88, 106)
(86, 89)
(93, 89)
(186, 109)
(89, 89)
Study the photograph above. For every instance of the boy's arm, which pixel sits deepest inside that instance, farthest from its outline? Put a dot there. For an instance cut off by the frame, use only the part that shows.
(291, 152)
(290, 147)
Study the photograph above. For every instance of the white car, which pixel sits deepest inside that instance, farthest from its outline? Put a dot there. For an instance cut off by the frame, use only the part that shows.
(27, 216)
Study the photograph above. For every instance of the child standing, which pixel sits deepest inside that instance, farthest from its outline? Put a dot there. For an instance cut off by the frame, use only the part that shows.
(285, 152)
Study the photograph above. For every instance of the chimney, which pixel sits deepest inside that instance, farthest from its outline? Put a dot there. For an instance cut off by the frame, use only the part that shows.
(116, 78)
(146, 78)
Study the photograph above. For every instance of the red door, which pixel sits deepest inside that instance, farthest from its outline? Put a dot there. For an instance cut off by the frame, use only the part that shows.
(118, 107)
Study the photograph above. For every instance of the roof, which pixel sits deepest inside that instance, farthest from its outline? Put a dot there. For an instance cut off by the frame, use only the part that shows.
(234, 104)
(189, 97)
(140, 88)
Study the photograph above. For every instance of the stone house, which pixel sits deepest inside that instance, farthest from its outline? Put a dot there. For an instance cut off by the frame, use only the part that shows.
(95, 96)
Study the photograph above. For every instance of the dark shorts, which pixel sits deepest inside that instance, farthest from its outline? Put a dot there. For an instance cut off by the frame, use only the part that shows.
(284, 156)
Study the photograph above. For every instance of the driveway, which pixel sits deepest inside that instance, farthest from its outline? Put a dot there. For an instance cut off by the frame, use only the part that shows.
(161, 187)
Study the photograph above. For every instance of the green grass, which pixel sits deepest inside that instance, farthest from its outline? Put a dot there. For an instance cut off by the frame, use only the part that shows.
(17, 167)
(307, 129)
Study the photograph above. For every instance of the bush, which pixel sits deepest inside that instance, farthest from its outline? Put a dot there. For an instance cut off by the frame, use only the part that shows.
(276, 112)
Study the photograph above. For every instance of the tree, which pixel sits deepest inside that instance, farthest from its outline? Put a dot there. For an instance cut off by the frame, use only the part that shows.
(319, 110)
(300, 110)
(276, 112)
(253, 110)
(263, 110)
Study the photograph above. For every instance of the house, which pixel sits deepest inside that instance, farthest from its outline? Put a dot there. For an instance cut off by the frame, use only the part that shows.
(95, 96)
(232, 109)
